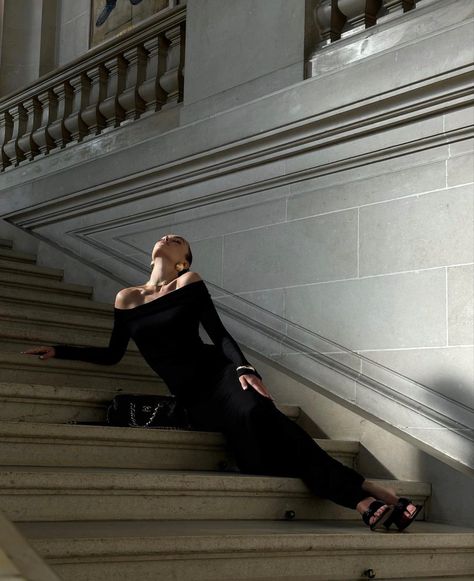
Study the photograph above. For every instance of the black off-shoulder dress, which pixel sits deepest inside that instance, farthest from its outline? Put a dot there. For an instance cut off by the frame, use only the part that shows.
(205, 379)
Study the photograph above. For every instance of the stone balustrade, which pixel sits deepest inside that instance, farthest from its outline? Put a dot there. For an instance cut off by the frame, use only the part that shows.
(336, 19)
(114, 83)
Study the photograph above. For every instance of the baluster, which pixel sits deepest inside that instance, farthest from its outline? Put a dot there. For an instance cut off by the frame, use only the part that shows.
(360, 14)
(130, 99)
(57, 129)
(150, 91)
(110, 108)
(329, 21)
(6, 132)
(172, 81)
(91, 115)
(74, 123)
(20, 118)
(26, 143)
(49, 109)
(391, 7)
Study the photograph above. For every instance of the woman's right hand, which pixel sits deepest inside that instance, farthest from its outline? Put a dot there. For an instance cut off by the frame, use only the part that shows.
(43, 352)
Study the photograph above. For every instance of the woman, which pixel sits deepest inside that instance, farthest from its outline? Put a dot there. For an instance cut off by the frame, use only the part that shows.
(219, 387)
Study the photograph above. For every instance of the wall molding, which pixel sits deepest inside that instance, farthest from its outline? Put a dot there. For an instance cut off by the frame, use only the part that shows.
(412, 104)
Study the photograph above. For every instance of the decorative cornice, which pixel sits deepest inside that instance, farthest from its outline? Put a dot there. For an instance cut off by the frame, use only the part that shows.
(410, 104)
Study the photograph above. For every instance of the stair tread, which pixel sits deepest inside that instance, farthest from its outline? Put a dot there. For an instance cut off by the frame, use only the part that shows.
(17, 279)
(126, 478)
(9, 254)
(244, 534)
(134, 435)
(130, 363)
(31, 269)
(32, 299)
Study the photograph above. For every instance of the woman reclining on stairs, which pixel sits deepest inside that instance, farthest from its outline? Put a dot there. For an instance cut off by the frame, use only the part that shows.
(221, 390)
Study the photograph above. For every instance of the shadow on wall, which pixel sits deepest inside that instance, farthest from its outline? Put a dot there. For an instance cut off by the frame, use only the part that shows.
(376, 468)
(452, 497)
(454, 388)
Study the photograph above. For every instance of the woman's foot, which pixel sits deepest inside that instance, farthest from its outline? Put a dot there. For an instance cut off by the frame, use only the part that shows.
(404, 513)
(374, 512)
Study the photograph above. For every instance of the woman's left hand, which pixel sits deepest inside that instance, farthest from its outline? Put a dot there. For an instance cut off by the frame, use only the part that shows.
(249, 379)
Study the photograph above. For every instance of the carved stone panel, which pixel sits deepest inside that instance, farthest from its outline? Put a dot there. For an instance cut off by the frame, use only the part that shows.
(123, 16)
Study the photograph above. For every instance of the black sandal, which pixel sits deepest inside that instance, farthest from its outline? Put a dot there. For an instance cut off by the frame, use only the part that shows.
(398, 516)
(373, 508)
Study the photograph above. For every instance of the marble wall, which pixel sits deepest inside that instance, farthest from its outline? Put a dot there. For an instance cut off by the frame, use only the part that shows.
(73, 30)
(21, 53)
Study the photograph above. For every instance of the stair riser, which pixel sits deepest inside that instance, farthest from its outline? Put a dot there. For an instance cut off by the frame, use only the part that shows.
(268, 566)
(17, 340)
(43, 285)
(38, 304)
(24, 316)
(63, 377)
(120, 455)
(191, 504)
(7, 254)
(8, 267)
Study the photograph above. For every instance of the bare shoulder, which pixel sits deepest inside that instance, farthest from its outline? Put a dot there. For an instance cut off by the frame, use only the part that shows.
(127, 297)
(188, 277)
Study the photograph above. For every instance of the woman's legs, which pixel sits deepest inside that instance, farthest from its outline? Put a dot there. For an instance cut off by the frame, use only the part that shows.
(265, 441)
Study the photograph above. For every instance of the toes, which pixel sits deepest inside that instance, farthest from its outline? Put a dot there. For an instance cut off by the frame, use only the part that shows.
(410, 510)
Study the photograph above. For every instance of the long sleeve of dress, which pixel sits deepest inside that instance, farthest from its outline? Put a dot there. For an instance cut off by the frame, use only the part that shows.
(219, 335)
(102, 355)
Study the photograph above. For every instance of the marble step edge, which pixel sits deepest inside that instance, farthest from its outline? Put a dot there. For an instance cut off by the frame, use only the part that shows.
(39, 329)
(124, 369)
(262, 557)
(9, 254)
(60, 434)
(16, 280)
(61, 540)
(13, 297)
(23, 336)
(33, 270)
(24, 480)
(38, 393)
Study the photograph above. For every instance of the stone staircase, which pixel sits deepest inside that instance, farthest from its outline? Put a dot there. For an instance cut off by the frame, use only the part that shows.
(100, 502)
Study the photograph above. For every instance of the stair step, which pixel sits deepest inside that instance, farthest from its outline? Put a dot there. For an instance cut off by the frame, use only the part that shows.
(19, 336)
(83, 317)
(43, 285)
(52, 493)
(69, 445)
(236, 550)
(9, 254)
(56, 404)
(27, 403)
(16, 337)
(31, 270)
(125, 376)
(6, 243)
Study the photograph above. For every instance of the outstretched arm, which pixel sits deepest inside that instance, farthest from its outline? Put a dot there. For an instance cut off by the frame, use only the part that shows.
(102, 355)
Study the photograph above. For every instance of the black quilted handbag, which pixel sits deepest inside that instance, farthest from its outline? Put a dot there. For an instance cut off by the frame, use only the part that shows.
(147, 411)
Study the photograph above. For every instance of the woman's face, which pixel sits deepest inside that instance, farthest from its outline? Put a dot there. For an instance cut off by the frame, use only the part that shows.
(172, 246)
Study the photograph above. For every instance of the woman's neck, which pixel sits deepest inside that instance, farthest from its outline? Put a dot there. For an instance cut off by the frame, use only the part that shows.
(162, 274)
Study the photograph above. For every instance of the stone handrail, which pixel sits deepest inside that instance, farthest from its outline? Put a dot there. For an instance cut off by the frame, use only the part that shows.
(336, 19)
(116, 82)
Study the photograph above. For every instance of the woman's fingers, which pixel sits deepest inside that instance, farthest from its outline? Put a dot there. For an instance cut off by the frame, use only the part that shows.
(43, 352)
(253, 381)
